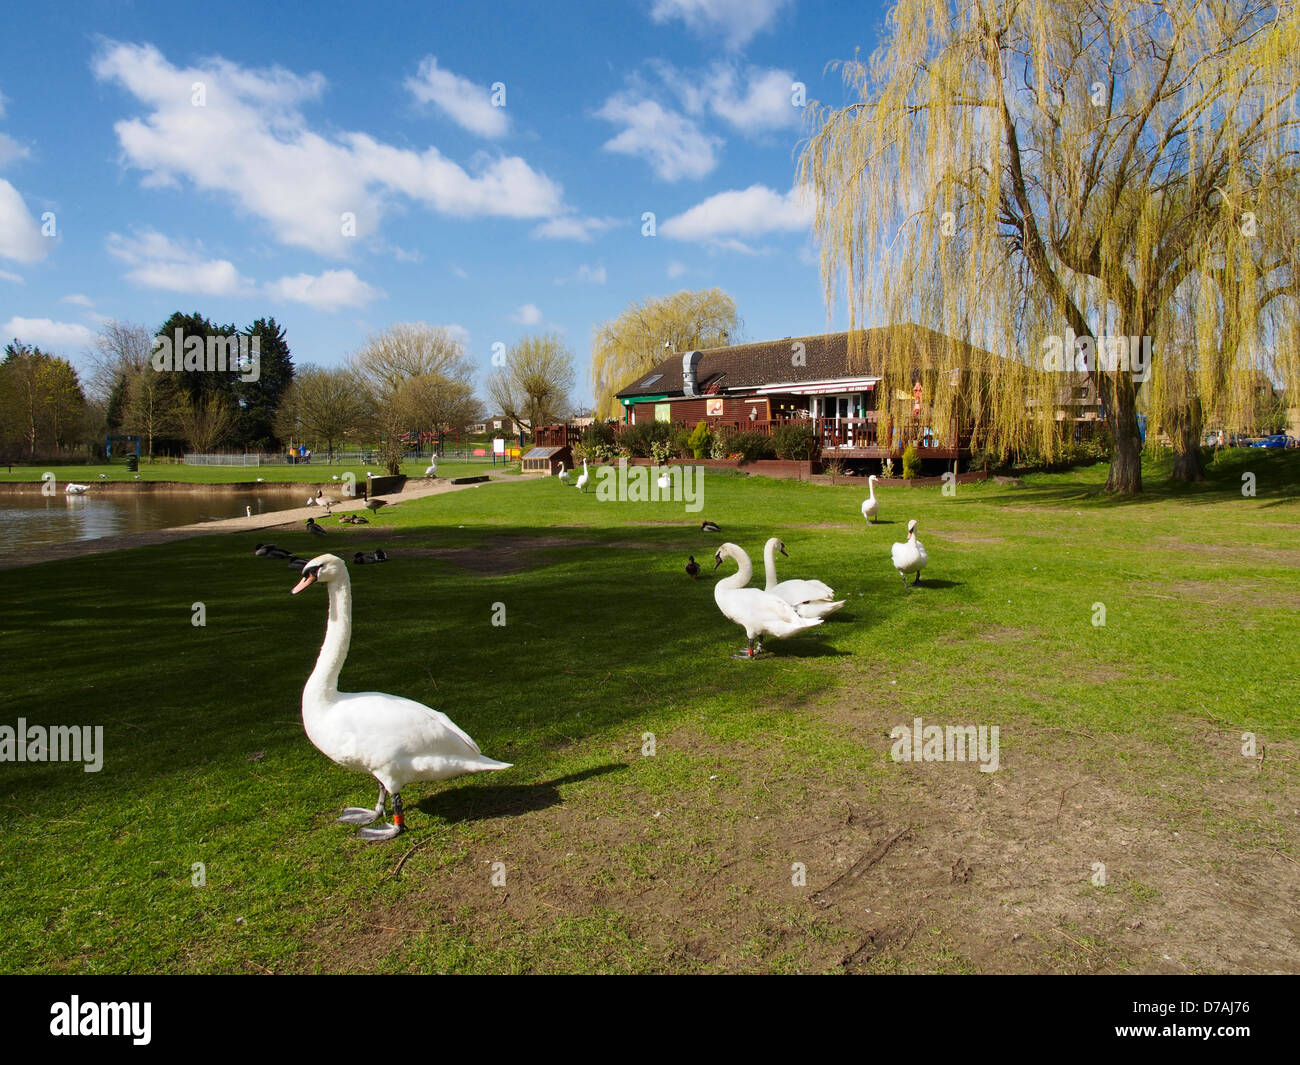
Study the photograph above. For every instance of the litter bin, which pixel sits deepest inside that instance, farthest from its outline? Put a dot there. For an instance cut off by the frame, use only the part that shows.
(132, 463)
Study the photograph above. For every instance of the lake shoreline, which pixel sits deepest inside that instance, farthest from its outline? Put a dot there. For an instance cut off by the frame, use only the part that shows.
(178, 487)
(291, 518)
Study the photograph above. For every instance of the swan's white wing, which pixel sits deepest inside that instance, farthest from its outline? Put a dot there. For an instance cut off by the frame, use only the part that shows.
(796, 592)
(761, 611)
(371, 730)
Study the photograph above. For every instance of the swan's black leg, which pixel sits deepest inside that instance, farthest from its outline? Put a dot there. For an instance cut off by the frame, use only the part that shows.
(918, 577)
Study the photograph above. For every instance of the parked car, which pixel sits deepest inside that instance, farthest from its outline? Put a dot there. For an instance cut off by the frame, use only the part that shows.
(1273, 440)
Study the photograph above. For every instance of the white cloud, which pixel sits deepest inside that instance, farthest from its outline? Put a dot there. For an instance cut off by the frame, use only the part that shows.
(670, 142)
(251, 143)
(457, 333)
(330, 291)
(48, 334)
(77, 299)
(10, 150)
(20, 233)
(157, 261)
(574, 227)
(6, 275)
(465, 103)
(737, 20)
(460, 272)
(754, 99)
(750, 99)
(722, 219)
(676, 269)
(528, 314)
(592, 275)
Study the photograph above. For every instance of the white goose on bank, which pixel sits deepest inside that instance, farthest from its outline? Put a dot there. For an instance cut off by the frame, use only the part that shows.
(910, 556)
(395, 740)
(564, 474)
(871, 505)
(810, 599)
(758, 612)
(582, 481)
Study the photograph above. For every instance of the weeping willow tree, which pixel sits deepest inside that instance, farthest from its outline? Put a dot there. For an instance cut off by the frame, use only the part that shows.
(638, 339)
(1051, 180)
(1233, 328)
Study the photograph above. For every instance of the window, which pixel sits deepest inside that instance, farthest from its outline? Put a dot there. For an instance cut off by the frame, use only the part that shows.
(651, 380)
(663, 412)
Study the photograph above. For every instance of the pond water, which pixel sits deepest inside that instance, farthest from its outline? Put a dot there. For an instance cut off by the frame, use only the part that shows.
(32, 521)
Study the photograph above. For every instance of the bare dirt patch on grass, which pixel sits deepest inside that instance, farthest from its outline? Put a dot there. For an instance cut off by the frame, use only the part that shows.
(923, 867)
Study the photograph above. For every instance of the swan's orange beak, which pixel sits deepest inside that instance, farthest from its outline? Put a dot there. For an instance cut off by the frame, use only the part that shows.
(306, 582)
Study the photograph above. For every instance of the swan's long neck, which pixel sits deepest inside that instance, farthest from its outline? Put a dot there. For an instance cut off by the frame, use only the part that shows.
(871, 488)
(743, 575)
(324, 680)
(769, 564)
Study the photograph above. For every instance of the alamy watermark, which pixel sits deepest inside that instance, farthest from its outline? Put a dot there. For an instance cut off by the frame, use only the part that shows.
(651, 484)
(57, 743)
(1110, 353)
(946, 743)
(214, 354)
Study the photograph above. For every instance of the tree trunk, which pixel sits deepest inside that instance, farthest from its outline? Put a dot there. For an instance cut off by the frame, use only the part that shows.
(1189, 463)
(1121, 416)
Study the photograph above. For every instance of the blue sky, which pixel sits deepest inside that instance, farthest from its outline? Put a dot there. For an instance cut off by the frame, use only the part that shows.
(208, 157)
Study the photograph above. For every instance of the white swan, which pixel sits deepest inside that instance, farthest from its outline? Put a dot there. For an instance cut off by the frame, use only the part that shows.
(432, 469)
(563, 474)
(395, 740)
(582, 481)
(871, 505)
(75, 489)
(665, 481)
(910, 557)
(758, 612)
(810, 599)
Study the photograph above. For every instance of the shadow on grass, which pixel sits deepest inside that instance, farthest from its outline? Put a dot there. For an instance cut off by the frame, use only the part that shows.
(472, 803)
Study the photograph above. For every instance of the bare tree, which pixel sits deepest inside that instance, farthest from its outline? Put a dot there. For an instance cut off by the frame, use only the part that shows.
(533, 386)
(120, 350)
(420, 379)
(326, 406)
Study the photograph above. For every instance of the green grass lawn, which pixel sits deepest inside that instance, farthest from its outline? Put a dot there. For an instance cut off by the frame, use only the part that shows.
(620, 862)
(311, 473)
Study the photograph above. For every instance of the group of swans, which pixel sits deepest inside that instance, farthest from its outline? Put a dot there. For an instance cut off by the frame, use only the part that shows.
(395, 740)
(781, 609)
(909, 556)
(583, 480)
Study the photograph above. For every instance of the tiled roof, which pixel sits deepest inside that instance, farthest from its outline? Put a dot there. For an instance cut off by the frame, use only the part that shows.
(825, 357)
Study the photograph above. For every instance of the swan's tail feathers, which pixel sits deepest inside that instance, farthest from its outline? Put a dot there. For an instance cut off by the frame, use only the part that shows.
(818, 609)
(484, 764)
